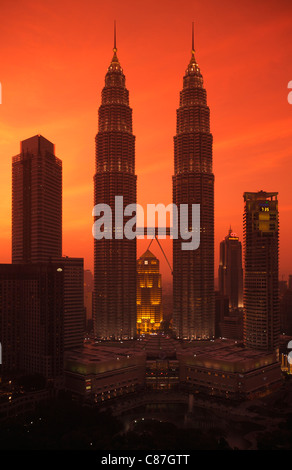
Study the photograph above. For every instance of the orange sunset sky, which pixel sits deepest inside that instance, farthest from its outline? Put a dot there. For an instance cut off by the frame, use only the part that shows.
(53, 60)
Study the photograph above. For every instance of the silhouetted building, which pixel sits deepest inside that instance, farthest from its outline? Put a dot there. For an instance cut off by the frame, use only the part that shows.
(231, 326)
(221, 311)
(193, 183)
(149, 294)
(283, 286)
(88, 297)
(286, 313)
(261, 287)
(230, 270)
(228, 323)
(36, 202)
(74, 313)
(37, 228)
(31, 318)
(115, 258)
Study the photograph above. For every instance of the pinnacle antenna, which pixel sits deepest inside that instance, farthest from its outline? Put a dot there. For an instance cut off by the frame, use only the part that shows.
(193, 42)
(115, 36)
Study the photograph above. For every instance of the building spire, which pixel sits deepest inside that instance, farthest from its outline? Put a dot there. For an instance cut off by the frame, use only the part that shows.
(193, 68)
(115, 65)
(115, 38)
(193, 42)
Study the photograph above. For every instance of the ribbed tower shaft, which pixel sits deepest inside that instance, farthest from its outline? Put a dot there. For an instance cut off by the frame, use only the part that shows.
(193, 183)
(115, 259)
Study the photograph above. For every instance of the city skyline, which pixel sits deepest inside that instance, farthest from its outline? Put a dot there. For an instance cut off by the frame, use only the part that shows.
(243, 128)
(106, 344)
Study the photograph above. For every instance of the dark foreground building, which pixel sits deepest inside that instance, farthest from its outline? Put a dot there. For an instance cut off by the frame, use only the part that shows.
(115, 259)
(74, 312)
(193, 183)
(220, 368)
(261, 287)
(42, 304)
(31, 318)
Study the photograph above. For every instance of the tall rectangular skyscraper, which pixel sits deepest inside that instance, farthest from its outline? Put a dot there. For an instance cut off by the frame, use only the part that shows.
(37, 236)
(193, 183)
(114, 303)
(261, 287)
(36, 202)
(230, 270)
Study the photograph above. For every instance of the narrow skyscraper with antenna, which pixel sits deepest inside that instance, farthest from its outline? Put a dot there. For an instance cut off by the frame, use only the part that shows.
(115, 259)
(193, 183)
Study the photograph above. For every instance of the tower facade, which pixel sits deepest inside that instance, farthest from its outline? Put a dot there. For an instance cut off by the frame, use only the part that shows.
(36, 202)
(230, 270)
(31, 318)
(74, 313)
(193, 183)
(115, 259)
(149, 294)
(261, 288)
(37, 254)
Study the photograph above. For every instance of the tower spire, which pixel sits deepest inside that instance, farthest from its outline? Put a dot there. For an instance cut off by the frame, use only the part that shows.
(193, 42)
(193, 68)
(115, 38)
(115, 65)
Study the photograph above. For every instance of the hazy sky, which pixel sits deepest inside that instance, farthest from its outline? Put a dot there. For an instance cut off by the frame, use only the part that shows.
(53, 59)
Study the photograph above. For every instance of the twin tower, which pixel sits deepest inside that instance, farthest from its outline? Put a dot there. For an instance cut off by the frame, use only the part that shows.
(193, 183)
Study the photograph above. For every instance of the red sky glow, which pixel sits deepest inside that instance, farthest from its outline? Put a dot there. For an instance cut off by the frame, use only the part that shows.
(53, 60)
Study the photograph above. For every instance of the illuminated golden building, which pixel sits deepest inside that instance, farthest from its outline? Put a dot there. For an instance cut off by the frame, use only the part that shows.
(149, 294)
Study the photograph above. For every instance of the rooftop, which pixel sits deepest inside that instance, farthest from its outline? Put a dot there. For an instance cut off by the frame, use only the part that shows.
(219, 354)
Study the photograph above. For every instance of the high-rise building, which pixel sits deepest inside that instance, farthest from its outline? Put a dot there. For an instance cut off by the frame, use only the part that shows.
(221, 311)
(115, 258)
(36, 202)
(74, 313)
(193, 183)
(88, 298)
(149, 294)
(37, 230)
(230, 270)
(31, 318)
(261, 287)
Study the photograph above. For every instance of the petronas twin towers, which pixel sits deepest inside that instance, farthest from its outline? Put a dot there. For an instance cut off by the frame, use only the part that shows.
(193, 183)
